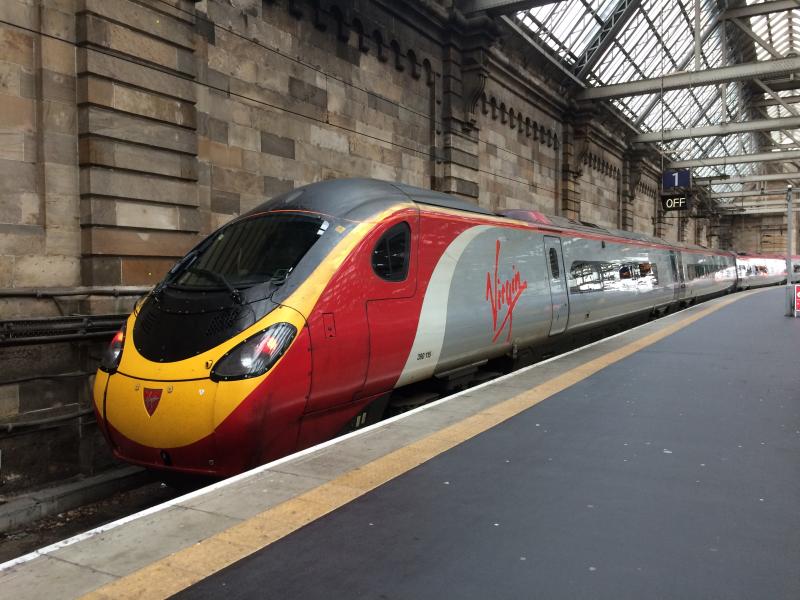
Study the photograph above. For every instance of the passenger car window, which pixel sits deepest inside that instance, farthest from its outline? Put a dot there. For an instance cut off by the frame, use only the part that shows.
(586, 277)
(554, 270)
(391, 253)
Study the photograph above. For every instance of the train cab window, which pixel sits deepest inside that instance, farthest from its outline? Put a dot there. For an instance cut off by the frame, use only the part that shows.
(390, 256)
(554, 270)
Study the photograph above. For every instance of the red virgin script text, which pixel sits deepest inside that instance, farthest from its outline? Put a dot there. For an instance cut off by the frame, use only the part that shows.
(503, 293)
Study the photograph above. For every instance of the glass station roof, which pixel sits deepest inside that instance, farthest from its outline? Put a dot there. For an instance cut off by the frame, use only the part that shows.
(656, 37)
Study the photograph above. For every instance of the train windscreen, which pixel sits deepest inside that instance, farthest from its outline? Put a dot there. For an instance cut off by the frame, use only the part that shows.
(251, 251)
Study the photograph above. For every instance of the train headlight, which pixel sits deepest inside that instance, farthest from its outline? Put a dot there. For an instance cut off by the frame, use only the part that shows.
(256, 355)
(113, 354)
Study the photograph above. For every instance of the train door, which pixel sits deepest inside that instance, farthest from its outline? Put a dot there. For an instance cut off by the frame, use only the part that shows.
(677, 274)
(558, 284)
(392, 306)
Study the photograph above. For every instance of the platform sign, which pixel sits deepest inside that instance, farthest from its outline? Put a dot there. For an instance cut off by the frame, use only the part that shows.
(797, 300)
(676, 178)
(671, 202)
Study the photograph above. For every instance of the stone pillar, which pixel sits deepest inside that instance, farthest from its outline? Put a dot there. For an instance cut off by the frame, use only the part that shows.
(570, 175)
(138, 146)
(465, 71)
(631, 176)
(39, 228)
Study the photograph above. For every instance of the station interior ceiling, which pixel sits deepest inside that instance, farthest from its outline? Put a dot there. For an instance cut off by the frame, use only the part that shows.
(711, 84)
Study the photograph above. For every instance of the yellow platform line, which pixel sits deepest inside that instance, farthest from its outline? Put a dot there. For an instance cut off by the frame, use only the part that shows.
(186, 567)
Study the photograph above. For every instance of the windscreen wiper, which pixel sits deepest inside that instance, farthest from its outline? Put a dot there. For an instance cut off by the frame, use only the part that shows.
(218, 277)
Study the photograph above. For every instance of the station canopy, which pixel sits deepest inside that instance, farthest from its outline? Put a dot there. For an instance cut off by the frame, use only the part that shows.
(606, 42)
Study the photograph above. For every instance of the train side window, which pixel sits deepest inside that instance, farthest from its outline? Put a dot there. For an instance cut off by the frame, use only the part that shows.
(391, 253)
(586, 277)
(554, 270)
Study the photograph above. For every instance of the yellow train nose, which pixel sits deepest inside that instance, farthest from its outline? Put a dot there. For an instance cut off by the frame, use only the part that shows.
(161, 414)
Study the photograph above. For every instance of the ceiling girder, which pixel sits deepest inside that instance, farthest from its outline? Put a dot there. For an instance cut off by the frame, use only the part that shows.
(737, 158)
(675, 81)
(747, 178)
(764, 8)
(750, 193)
(745, 27)
(721, 129)
(783, 101)
(605, 37)
(500, 7)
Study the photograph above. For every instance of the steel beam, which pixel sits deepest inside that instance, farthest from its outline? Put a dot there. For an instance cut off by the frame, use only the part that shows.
(783, 101)
(750, 193)
(736, 158)
(755, 10)
(712, 181)
(500, 7)
(676, 81)
(527, 35)
(721, 129)
(603, 39)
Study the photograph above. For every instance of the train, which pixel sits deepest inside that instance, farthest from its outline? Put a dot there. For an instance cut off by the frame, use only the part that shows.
(311, 315)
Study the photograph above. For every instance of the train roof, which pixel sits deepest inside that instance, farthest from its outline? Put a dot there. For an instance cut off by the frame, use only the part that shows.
(347, 198)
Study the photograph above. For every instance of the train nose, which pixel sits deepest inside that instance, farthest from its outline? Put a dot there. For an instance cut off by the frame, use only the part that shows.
(162, 423)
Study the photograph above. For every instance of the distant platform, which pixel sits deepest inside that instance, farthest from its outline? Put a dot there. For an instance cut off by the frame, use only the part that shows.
(660, 463)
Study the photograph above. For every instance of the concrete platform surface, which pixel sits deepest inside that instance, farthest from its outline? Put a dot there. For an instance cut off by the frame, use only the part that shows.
(664, 464)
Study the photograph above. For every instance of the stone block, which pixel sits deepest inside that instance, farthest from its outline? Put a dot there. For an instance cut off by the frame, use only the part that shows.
(306, 92)
(134, 129)
(9, 78)
(19, 12)
(129, 242)
(58, 86)
(329, 139)
(46, 271)
(60, 179)
(224, 202)
(101, 270)
(60, 148)
(189, 219)
(147, 216)
(106, 182)
(154, 106)
(218, 130)
(17, 177)
(279, 146)
(274, 186)
(19, 239)
(387, 107)
(60, 117)
(9, 401)
(244, 137)
(58, 56)
(121, 39)
(140, 17)
(6, 271)
(225, 156)
(230, 180)
(144, 271)
(44, 394)
(134, 74)
(110, 153)
(16, 46)
(17, 114)
(12, 146)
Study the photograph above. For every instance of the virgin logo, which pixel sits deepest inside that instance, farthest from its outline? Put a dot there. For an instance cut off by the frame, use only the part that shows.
(503, 294)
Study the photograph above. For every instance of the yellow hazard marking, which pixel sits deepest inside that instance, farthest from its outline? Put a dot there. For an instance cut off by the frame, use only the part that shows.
(186, 567)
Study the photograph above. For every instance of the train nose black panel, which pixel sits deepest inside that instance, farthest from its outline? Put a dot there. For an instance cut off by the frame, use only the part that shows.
(168, 332)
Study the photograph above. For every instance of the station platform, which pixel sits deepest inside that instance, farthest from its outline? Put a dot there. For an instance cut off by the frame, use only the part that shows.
(663, 462)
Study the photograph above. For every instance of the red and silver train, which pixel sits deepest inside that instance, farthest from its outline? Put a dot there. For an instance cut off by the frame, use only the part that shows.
(300, 319)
